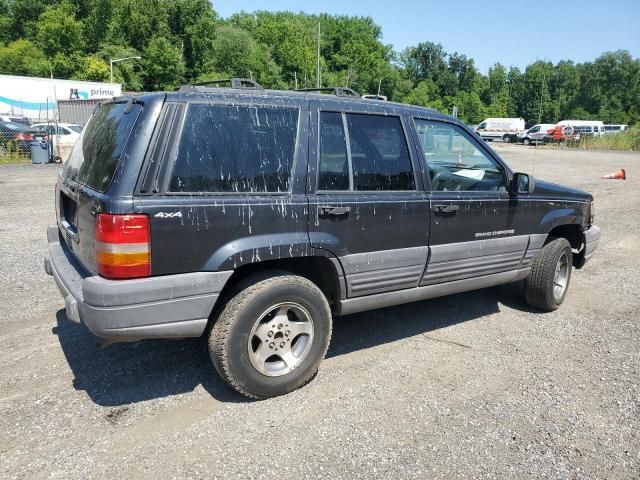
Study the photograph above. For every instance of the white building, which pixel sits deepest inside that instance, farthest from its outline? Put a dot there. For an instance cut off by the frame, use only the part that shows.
(37, 98)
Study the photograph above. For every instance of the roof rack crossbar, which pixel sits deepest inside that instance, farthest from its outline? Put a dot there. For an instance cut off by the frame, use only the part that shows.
(232, 82)
(338, 91)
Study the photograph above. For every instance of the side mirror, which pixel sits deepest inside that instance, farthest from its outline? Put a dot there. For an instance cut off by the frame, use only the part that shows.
(522, 183)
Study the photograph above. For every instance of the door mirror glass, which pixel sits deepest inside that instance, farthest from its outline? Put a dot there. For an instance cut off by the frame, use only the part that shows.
(523, 183)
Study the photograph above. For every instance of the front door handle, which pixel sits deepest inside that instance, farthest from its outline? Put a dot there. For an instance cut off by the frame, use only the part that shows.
(446, 208)
(329, 210)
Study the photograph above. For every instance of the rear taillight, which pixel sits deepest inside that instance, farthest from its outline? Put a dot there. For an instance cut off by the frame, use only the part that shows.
(123, 247)
(23, 136)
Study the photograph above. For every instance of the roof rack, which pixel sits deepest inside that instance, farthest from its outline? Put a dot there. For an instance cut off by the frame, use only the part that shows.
(337, 91)
(245, 83)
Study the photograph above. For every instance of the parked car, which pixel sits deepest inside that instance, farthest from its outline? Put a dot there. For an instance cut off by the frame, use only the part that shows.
(535, 134)
(64, 136)
(505, 129)
(15, 119)
(18, 136)
(255, 216)
(615, 128)
(64, 133)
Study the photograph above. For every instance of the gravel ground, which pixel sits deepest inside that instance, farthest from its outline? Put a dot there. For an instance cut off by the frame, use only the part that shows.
(472, 385)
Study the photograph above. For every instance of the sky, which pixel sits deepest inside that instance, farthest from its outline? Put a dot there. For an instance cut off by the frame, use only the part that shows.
(489, 31)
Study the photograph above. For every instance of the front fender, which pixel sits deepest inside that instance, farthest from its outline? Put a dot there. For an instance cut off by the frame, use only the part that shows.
(570, 215)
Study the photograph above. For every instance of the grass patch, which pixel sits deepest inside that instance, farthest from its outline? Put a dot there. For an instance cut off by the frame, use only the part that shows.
(627, 141)
(10, 156)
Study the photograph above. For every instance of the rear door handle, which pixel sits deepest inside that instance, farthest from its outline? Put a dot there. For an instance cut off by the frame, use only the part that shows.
(446, 208)
(329, 210)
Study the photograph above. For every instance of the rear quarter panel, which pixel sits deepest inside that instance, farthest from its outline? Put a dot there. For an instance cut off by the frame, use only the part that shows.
(222, 231)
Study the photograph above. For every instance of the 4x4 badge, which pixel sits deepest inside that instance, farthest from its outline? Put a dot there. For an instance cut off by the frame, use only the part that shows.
(168, 215)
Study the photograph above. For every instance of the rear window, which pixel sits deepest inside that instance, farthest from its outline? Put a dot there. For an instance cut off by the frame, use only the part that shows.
(235, 149)
(21, 120)
(97, 152)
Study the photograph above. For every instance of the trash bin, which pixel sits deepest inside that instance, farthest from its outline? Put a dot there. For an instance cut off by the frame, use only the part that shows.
(40, 151)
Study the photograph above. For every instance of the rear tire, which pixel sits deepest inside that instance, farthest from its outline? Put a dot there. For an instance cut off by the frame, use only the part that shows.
(548, 280)
(506, 139)
(272, 335)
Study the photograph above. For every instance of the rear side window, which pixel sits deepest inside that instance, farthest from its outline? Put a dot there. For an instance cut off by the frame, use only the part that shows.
(235, 149)
(97, 152)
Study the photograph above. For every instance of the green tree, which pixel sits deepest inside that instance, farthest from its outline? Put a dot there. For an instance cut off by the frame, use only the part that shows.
(237, 54)
(98, 23)
(425, 94)
(24, 17)
(22, 57)
(127, 73)
(95, 69)
(163, 65)
(58, 32)
(5, 22)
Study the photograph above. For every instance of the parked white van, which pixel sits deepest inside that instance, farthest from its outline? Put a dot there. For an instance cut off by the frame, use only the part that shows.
(615, 128)
(536, 133)
(505, 129)
(585, 127)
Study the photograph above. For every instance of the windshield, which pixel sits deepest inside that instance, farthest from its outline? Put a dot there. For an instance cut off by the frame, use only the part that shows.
(75, 128)
(97, 152)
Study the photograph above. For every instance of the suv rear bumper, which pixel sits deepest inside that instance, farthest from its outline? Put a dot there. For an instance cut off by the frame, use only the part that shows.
(171, 306)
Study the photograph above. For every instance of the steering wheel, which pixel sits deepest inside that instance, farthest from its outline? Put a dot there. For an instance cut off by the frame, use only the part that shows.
(438, 175)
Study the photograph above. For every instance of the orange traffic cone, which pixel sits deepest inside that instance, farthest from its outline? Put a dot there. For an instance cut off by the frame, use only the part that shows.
(619, 175)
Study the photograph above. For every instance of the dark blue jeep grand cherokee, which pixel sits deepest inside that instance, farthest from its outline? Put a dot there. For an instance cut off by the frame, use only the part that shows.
(254, 216)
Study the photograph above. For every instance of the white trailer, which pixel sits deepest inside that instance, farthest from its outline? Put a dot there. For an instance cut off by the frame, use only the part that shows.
(505, 129)
(37, 98)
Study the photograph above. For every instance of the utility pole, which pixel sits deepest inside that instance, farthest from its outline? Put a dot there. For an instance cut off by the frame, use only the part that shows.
(318, 59)
(295, 76)
(541, 95)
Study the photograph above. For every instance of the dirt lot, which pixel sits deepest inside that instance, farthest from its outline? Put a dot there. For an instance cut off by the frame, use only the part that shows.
(473, 385)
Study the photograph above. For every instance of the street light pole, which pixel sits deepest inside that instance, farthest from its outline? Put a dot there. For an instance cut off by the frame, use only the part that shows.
(116, 60)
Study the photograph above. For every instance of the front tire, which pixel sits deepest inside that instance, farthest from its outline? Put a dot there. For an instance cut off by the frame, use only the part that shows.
(272, 335)
(526, 142)
(548, 280)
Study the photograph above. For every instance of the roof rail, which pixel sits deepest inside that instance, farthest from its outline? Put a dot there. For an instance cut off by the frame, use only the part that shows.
(375, 97)
(337, 91)
(230, 82)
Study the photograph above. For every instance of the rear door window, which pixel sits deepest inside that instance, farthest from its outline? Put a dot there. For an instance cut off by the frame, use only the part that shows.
(377, 158)
(97, 152)
(379, 153)
(235, 149)
(334, 165)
